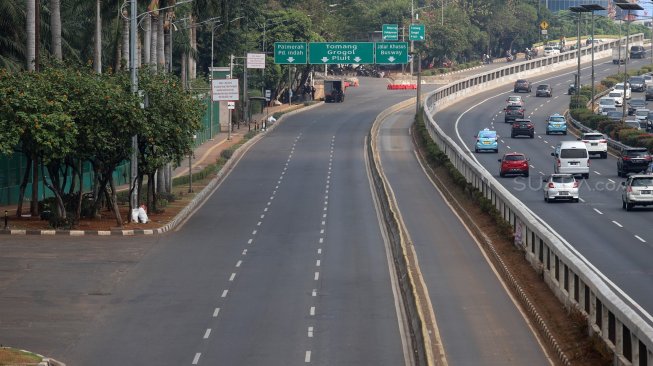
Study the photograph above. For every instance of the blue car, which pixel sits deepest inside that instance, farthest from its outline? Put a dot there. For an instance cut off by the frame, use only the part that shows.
(486, 140)
(556, 124)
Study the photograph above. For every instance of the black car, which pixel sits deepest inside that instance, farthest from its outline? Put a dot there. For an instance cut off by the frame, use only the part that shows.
(543, 90)
(522, 85)
(572, 89)
(649, 92)
(635, 104)
(633, 160)
(522, 127)
(637, 52)
(637, 83)
(513, 112)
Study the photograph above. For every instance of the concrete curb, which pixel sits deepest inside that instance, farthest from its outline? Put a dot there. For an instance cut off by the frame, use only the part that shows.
(196, 202)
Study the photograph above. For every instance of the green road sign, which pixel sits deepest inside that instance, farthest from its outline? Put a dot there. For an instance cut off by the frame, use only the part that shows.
(341, 53)
(390, 32)
(416, 32)
(392, 52)
(291, 53)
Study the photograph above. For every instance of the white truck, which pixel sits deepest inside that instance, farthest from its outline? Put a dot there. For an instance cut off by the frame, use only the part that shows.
(620, 55)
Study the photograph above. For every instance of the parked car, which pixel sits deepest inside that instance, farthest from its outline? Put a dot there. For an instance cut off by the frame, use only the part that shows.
(637, 190)
(648, 93)
(522, 127)
(513, 112)
(596, 143)
(522, 85)
(605, 102)
(556, 124)
(618, 97)
(486, 140)
(637, 83)
(560, 186)
(637, 52)
(635, 104)
(633, 160)
(543, 90)
(515, 100)
(620, 86)
(514, 163)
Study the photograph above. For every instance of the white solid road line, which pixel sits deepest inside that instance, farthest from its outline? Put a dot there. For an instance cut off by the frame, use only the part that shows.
(616, 223)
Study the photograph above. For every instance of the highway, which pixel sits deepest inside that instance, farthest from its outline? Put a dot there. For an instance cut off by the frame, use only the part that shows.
(478, 321)
(616, 242)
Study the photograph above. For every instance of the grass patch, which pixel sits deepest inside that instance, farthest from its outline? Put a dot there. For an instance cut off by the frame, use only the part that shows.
(11, 356)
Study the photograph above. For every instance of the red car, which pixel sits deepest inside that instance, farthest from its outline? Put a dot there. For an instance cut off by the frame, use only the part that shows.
(514, 163)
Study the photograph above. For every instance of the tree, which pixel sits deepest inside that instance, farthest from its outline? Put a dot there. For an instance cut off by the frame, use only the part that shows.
(55, 28)
(30, 23)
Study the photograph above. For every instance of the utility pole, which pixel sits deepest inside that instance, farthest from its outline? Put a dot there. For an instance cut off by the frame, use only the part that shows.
(134, 89)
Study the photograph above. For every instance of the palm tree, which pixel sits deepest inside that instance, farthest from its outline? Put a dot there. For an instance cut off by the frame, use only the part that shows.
(55, 28)
(97, 45)
(12, 39)
(30, 23)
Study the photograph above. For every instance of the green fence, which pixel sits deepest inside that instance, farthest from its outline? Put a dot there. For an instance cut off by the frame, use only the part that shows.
(12, 168)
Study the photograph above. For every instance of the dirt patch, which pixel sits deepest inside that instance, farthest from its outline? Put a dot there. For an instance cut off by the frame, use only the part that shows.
(569, 330)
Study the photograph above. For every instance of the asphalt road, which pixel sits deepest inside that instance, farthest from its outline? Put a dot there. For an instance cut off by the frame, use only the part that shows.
(618, 243)
(478, 321)
(284, 264)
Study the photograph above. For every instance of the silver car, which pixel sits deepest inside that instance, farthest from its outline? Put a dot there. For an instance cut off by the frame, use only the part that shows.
(560, 186)
(637, 190)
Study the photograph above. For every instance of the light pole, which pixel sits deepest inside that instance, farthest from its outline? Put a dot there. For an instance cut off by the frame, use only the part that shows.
(624, 5)
(580, 11)
(593, 8)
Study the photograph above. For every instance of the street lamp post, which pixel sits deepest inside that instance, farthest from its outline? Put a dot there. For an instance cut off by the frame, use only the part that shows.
(580, 11)
(593, 8)
(624, 5)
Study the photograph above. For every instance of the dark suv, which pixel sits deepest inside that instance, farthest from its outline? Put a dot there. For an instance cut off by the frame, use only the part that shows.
(637, 52)
(633, 160)
(522, 127)
(522, 85)
(513, 112)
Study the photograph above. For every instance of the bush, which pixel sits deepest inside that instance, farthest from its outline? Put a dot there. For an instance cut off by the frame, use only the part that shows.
(227, 153)
(595, 120)
(579, 101)
(606, 127)
(629, 135)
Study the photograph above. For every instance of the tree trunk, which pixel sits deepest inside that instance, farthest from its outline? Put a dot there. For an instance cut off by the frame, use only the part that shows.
(30, 23)
(167, 57)
(192, 64)
(184, 74)
(97, 49)
(154, 43)
(147, 37)
(54, 187)
(23, 185)
(80, 177)
(161, 179)
(34, 205)
(37, 34)
(55, 28)
(125, 40)
(114, 202)
(161, 45)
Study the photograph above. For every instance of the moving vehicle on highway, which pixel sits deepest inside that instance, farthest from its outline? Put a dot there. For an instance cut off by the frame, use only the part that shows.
(556, 124)
(635, 104)
(522, 85)
(642, 116)
(637, 83)
(606, 110)
(513, 112)
(633, 160)
(596, 143)
(637, 190)
(637, 51)
(605, 102)
(522, 127)
(618, 97)
(620, 86)
(514, 163)
(648, 94)
(334, 91)
(633, 123)
(572, 89)
(550, 51)
(620, 55)
(571, 157)
(616, 115)
(515, 100)
(560, 186)
(543, 90)
(486, 140)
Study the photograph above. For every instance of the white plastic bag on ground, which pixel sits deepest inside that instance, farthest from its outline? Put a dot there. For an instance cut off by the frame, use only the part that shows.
(142, 215)
(135, 215)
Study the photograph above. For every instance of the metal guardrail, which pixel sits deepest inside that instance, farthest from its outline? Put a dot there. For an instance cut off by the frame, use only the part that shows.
(624, 327)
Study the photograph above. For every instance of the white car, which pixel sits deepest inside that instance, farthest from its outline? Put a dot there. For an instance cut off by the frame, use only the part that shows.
(515, 100)
(633, 123)
(596, 143)
(605, 102)
(561, 186)
(606, 110)
(637, 190)
(550, 51)
(618, 96)
(620, 86)
(642, 114)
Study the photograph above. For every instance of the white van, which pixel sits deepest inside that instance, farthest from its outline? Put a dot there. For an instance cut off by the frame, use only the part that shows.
(571, 157)
(620, 87)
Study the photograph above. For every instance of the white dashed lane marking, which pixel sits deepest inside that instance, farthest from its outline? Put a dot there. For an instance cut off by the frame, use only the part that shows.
(307, 358)
(310, 332)
(618, 224)
(640, 239)
(224, 293)
(196, 359)
(216, 312)
(599, 212)
(231, 278)
(317, 276)
(207, 333)
(312, 311)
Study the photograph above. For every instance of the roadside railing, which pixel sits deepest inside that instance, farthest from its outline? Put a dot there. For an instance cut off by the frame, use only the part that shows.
(624, 327)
